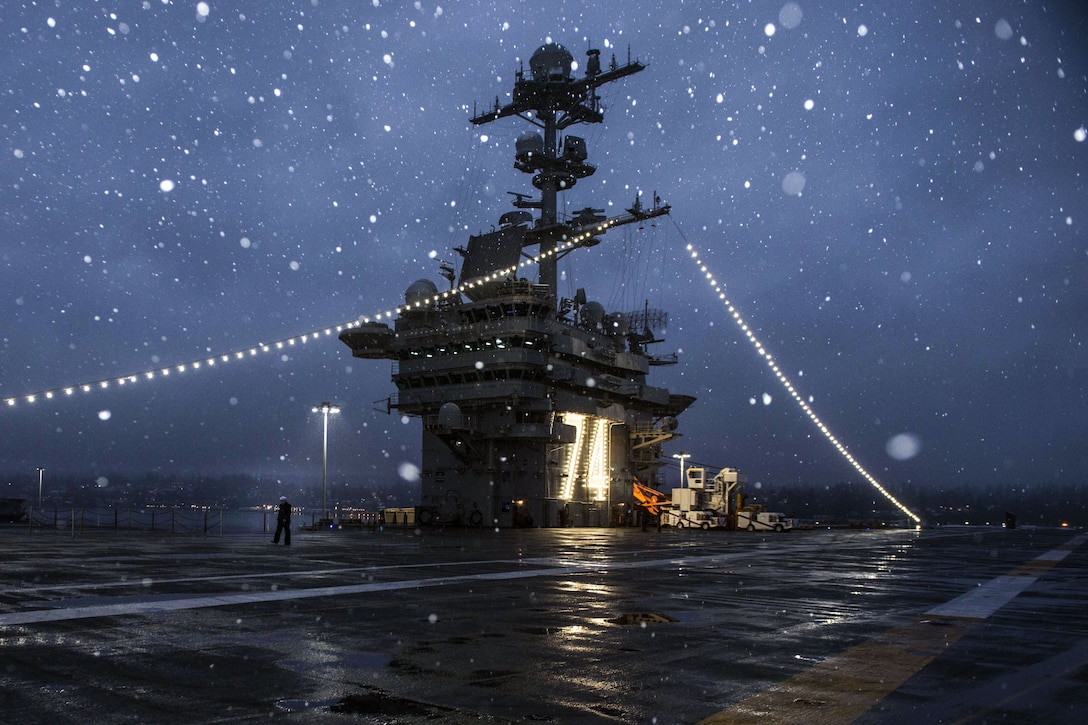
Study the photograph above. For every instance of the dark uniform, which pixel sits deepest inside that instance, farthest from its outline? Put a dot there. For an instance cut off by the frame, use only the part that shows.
(283, 522)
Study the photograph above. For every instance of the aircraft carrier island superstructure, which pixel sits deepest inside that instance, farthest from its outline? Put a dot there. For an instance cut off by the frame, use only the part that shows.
(535, 408)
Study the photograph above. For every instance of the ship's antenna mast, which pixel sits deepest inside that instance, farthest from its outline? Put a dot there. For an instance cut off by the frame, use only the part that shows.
(551, 100)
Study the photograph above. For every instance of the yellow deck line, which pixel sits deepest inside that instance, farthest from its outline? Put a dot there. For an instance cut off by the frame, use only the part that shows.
(843, 688)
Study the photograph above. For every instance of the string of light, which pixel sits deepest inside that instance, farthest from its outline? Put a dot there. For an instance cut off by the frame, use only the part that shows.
(785, 381)
(163, 372)
(456, 292)
(270, 347)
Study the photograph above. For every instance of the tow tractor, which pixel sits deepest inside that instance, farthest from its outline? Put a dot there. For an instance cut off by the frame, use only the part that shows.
(754, 518)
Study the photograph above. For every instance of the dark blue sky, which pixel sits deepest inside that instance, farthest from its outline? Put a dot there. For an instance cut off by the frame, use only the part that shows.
(181, 180)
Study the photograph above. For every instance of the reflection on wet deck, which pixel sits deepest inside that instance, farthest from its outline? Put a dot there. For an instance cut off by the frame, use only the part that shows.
(554, 625)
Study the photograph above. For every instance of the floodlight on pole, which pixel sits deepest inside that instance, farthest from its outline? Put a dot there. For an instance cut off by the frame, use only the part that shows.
(683, 457)
(325, 408)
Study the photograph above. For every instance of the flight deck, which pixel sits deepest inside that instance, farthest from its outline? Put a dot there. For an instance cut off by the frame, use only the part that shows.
(407, 625)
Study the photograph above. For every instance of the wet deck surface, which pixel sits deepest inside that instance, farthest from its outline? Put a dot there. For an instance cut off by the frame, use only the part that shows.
(559, 626)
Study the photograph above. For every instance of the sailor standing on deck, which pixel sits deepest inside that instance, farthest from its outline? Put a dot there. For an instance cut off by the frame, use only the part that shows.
(283, 522)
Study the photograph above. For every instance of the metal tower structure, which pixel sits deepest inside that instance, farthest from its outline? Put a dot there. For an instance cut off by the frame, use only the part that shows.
(553, 101)
(535, 409)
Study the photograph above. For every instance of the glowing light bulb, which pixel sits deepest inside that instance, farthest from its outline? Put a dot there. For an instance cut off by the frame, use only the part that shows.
(788, 385)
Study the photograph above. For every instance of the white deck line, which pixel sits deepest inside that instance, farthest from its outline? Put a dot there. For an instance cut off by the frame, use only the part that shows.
(990, 596)
(156, 604)
(980, 603)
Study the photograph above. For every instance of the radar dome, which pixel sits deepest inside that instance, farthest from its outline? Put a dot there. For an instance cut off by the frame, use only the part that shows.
(419, 291)
(593, 313)
(449, 415)
(551, 62)
(514, 218)
(527, 145)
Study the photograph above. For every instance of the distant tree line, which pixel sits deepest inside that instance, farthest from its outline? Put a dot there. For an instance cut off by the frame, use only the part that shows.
(1038, 504)
(229, 491)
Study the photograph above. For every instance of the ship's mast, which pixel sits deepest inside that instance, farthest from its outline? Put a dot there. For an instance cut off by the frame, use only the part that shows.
(552, 101)
(549, 202)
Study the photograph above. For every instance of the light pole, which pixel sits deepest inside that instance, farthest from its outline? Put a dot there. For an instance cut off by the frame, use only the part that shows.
(683, 457)
(325, 408)
(40, 472)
